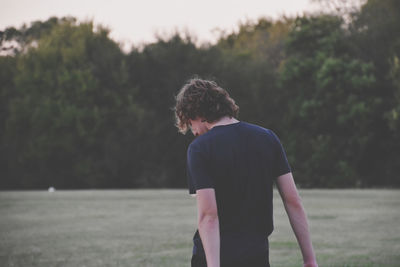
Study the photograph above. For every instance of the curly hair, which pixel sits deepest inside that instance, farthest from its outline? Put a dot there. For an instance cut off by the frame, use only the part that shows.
(202, 99)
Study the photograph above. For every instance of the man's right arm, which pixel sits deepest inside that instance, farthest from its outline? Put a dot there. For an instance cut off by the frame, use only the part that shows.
(297, 217)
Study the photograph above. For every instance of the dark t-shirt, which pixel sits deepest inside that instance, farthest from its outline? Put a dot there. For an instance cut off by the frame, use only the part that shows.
(240, 161)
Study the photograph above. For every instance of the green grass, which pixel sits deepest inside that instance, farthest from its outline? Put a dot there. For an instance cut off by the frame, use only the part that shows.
(155, 227)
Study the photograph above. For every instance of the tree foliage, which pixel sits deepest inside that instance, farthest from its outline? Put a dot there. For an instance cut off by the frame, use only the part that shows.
(77, 112)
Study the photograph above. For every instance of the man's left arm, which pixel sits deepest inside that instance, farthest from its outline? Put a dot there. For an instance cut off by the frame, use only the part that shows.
(208, 225)
(297, 217)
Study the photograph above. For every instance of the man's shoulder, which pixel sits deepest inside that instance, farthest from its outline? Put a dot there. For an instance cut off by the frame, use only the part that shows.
(199, 142)
(257, 128)
(261, 134)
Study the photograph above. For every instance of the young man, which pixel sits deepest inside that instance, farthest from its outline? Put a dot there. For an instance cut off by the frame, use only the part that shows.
(231, 168)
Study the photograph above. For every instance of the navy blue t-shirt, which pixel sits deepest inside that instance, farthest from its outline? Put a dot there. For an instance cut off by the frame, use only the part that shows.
(240, 161)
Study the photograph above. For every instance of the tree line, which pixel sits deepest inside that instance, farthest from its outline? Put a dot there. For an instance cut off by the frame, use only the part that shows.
(78, 112)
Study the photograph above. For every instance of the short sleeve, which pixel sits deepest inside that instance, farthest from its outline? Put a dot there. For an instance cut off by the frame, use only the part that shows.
(198, 170)
(281, 164)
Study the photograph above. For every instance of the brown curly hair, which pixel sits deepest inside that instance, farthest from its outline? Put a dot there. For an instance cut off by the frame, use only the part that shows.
(204, 99)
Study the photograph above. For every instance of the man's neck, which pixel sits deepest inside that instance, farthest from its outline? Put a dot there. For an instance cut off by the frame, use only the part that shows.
(223, 121)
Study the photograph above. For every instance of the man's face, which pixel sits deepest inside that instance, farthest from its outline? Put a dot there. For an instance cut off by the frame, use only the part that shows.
(198, 126)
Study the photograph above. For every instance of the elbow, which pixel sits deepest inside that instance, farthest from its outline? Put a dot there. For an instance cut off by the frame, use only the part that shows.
(294, 201)
(207, 219)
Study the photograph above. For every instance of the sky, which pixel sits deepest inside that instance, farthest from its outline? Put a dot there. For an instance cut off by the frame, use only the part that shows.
(137, 22)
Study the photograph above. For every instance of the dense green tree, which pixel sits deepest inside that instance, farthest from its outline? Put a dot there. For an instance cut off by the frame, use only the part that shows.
(328, 102)
(76, 112)
(15, 41)
(70, 98)
(158, 71)
(7, 91)
(376, 34)
(252, 57)
(262, 40)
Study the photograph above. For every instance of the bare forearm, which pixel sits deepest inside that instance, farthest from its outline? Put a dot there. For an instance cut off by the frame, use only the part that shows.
(209, 233)
(298, 221)
(297, 217)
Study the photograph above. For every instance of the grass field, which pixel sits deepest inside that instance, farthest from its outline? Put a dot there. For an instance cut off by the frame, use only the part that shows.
(155, 227)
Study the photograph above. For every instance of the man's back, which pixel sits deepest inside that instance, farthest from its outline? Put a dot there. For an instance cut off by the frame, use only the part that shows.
(240, 161)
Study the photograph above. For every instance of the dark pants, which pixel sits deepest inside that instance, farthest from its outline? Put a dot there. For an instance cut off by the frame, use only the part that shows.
(261, 261)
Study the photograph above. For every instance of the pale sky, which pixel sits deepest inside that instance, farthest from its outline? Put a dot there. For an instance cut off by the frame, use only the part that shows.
(136, 22)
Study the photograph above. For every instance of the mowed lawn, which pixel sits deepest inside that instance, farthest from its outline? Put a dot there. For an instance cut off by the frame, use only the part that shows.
(155, 227)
